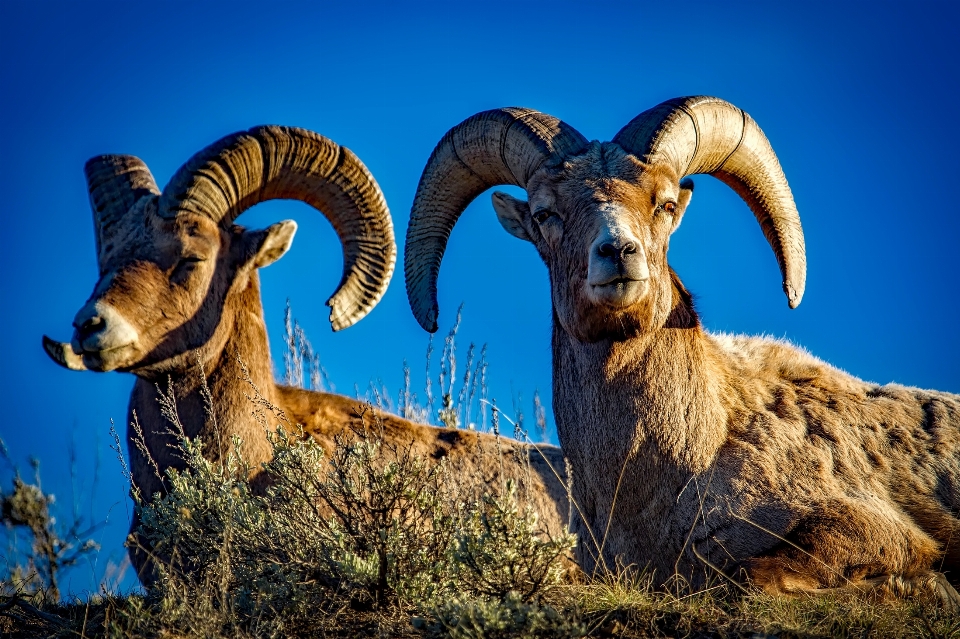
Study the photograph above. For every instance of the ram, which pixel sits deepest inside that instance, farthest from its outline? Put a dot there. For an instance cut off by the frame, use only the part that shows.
(179, 290)
(696, 454)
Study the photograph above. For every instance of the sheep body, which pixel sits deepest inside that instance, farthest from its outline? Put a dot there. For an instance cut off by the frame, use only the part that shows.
(178, 304)
(696, 455)
(770, 446)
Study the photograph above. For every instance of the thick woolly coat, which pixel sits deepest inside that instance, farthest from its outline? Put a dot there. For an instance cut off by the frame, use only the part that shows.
(718, 452)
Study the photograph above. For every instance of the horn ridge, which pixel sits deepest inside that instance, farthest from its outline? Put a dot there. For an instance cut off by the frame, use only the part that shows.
(275, 162)
(500, 146)
(702, 134)
(115, 183)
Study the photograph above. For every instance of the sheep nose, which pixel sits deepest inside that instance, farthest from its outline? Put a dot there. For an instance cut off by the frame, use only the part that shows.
(616, 249)
(98, 326)
(90, 325)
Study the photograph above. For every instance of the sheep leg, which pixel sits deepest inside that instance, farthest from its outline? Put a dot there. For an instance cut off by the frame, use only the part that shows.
(847, 544)
(931, 584)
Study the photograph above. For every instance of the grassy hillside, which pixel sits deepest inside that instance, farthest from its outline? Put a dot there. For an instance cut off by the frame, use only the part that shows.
(367, 539)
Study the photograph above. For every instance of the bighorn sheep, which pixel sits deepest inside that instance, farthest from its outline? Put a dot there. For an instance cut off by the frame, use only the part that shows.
(179, 284)
(692, 453)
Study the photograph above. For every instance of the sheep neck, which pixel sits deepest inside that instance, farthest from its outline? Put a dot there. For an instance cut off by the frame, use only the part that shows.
(645, 412)
(647, 390)
(244, 339)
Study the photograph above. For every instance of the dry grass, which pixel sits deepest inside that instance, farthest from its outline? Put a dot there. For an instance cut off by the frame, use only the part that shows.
(613, 607)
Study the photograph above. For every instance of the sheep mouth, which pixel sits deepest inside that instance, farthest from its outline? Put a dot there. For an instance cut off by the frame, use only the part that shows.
(619, 291)
(100, 361)
(617, 281)
(109, 359)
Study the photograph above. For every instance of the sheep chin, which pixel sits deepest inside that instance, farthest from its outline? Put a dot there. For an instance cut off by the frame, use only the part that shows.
(63, 353)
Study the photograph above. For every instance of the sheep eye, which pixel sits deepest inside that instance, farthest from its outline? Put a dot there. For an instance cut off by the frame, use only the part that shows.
(541, 216)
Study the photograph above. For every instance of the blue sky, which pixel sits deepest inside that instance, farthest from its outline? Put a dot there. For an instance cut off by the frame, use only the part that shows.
(858, 100)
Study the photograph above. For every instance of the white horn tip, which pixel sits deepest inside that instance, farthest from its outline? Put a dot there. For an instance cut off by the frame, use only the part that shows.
(63, 354)
(340, 318)
(338, 324)
(793, 297)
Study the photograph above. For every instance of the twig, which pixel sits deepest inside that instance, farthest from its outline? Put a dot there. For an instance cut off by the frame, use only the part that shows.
(17, 602)
(613, 505)
(207, 397)
(141, 443)
(718, 571)
(116, 447)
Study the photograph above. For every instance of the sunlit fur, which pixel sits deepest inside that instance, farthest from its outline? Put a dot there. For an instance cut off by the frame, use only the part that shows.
(715, 456)
(190, 290)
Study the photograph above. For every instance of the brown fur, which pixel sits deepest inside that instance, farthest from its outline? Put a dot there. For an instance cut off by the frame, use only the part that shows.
(189, 290)
(710, 455)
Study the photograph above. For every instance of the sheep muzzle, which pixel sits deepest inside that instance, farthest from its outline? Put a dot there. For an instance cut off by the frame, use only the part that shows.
(102, 337)
(617, 269)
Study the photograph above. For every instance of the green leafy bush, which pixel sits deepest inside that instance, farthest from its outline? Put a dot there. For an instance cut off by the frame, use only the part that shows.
(499, 551)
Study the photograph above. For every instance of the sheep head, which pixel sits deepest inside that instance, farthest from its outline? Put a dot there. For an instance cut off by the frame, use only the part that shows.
(171, 263)
(601, 214)
(601, 221)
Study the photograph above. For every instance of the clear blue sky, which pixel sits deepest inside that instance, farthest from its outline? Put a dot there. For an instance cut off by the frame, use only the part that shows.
(859, 100)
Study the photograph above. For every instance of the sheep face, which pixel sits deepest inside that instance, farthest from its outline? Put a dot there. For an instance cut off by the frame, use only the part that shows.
(602, 221)
(164, 288)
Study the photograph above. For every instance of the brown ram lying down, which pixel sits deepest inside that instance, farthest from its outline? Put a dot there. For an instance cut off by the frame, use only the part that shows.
(475, 457)
(705, 456)
(179, 289)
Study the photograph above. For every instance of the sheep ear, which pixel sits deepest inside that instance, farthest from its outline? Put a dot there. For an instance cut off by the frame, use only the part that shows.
(271, 243)
(512, 214)
(683, 199)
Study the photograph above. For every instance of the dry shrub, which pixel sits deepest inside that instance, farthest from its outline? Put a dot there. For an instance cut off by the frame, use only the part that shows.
(368, 531)
(40, 546)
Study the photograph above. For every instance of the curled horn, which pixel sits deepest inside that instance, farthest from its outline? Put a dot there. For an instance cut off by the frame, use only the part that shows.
(273, 162)
(63, 354)
(708, 135)
(115, 183)
(502, 146)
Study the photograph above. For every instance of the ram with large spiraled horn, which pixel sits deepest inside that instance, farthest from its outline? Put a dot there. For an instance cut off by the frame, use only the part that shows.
(694, 454)
(179, 286)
